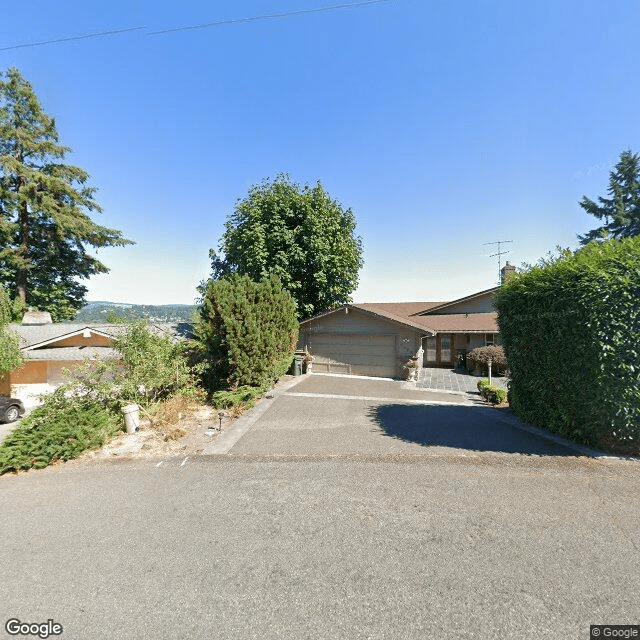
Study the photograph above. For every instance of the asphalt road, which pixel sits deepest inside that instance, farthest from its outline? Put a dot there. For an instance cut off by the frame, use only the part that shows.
(423, 542)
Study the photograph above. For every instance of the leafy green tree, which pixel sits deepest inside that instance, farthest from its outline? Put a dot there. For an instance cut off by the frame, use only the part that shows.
(248, 331)
(44, 205)
(621, 211)
(299, 234)
(10, 354)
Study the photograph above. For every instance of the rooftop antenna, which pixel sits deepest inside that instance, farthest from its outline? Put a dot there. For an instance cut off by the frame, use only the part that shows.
(499, 254)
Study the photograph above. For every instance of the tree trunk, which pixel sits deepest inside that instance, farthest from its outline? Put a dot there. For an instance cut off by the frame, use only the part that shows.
(21, 276)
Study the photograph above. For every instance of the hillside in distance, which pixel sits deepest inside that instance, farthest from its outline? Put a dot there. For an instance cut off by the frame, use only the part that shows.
(102, 311)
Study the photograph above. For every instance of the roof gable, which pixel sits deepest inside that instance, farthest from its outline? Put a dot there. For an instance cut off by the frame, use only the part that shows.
(480, 302)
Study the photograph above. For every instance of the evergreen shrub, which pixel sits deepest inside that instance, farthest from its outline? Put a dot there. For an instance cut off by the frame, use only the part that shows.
(248, 331)
(61, 429)
(571, 330)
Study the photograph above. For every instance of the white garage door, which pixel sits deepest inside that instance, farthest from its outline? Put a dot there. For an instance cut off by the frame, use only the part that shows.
(365, 355)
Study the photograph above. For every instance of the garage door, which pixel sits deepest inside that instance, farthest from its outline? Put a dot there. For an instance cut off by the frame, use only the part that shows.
(365, 355)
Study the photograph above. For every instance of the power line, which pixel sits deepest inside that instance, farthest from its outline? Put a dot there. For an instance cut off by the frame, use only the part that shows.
(271, 16)
(83, 37)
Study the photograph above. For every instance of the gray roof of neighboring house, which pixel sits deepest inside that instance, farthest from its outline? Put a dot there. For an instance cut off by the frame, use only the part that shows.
(31, 335)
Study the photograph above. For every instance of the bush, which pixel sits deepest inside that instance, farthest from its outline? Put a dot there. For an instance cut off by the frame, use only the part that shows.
(247, 330)
(571, 330)
(244, 397)
(61, 429)
(496, 395)
(480, 356)
(152, 368)
(492, 393)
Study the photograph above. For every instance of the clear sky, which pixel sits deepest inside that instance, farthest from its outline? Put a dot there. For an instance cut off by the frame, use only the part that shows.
(443, 125)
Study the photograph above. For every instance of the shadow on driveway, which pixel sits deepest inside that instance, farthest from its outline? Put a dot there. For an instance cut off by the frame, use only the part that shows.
(462, 427)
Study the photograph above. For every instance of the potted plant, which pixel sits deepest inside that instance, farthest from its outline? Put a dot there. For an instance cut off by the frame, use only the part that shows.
(308, 360)
(411, 369)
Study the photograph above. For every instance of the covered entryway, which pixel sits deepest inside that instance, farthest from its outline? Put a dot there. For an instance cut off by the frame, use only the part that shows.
(365, 355)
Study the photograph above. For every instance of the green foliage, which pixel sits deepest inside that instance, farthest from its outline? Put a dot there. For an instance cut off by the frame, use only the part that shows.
(299, 234)
(115, 318)
(152, 367)
(120, 313)
(244, 396)
(10, 354)
(571, 330)
(44, 224)
(491, 392)
(61, 429)
(480, 357)
(248, 331)
(621, 211)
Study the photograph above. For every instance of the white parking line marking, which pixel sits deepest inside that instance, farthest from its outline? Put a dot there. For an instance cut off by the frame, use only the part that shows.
(335, 396)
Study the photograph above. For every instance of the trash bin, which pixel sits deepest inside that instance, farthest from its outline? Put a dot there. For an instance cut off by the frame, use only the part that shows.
(131, 417)
(297, 365)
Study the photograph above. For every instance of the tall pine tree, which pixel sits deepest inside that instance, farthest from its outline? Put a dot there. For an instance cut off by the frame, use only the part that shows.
(44, 205)
(621, 211)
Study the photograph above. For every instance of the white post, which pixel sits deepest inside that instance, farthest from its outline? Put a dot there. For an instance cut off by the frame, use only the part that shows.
(489, 370)
(131, 417)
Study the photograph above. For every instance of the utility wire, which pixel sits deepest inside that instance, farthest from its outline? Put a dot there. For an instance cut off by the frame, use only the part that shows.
(208, 25)
(271, 16)
(83, 37)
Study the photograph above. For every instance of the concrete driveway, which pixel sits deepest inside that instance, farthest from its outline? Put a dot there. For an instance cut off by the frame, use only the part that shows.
(342, 415)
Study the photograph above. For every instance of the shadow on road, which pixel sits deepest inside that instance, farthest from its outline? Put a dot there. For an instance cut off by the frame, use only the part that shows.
(460, 427)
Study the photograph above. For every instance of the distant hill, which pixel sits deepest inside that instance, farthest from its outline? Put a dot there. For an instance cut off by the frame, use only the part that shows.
(100, 311)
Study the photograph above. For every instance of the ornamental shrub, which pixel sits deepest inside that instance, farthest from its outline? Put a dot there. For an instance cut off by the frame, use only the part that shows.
(480, 356)
(571, 330)
(247, 331)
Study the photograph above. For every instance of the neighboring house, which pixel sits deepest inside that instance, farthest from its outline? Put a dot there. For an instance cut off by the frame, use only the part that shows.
(377, 339)
(49, 348)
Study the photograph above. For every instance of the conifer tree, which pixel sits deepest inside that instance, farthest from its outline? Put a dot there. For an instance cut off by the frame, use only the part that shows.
(44, 205)
(248, 330)
(621, 212)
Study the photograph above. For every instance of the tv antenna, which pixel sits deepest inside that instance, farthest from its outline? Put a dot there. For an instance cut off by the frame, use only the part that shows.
(499, 253)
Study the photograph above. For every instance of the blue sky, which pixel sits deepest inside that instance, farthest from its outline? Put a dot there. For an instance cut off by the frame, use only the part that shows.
(443, 125)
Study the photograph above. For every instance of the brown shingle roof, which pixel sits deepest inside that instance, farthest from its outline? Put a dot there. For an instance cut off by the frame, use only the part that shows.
(467, 323)
(401, 309)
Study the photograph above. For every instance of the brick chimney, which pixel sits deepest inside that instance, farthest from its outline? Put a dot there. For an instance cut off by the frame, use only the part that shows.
(506, 272)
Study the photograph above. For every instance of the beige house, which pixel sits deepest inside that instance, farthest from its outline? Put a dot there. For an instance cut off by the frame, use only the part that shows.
(377, 339)
(49, 348)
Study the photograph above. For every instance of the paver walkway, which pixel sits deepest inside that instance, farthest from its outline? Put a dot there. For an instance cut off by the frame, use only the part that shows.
(449, 380)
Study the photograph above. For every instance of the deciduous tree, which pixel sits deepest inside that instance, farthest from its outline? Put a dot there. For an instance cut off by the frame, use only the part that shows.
(301, 235)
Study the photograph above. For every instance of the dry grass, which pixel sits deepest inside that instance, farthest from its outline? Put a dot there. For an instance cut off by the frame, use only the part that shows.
(166, 415)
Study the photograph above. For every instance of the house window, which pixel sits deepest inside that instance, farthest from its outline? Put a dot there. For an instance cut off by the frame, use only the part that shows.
(445, 349)
(489, 339)
(431, 349)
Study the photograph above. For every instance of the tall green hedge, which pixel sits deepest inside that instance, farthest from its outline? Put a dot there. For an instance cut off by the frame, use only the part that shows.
(571, 331)
(248, 331)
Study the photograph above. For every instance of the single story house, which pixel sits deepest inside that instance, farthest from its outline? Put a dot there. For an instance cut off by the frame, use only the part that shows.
(377, 339)
(49, 348)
